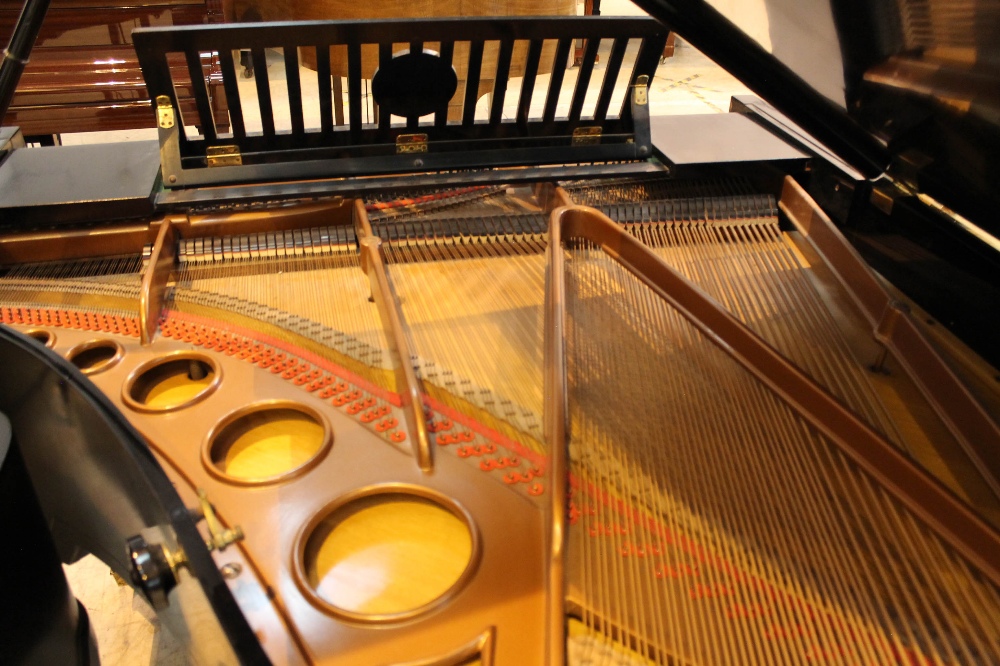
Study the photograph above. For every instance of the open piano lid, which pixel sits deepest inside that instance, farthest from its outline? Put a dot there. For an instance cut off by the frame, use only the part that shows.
(919, 102)
(905, 93)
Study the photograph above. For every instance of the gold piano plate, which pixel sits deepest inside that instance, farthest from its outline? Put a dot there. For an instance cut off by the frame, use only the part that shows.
(693, 491)
(45, 337)
(95, 356)
(172, 382)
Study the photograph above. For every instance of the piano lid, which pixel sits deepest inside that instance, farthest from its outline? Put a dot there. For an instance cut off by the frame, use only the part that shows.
(905, 88)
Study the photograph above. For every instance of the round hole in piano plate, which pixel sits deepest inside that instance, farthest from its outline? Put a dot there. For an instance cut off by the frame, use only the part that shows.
(387, 553)
(47, 338)
(267, 442)
(171, 382)
(95, 356)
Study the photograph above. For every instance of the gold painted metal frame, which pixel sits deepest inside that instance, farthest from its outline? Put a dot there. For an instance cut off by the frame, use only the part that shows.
(556, 410)
(43, 336)
(408, 386)
(152, 292)
(481, 647)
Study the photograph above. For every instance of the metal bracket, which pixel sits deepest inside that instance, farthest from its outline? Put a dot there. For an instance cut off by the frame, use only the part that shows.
(164, 112)
(884, 331)
(154, 569)
(223, 156)
(640, 117)
(220, 538)
(640, 92)
(882, 198)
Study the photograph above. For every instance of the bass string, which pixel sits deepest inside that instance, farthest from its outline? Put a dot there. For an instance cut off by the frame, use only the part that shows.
(815, 528)
(745, 272)
(62, 283)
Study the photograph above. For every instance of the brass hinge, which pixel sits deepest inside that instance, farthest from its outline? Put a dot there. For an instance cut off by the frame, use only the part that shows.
(641, 90)
(586, 136)
(164, 112)
(411, 143)
(222, 156)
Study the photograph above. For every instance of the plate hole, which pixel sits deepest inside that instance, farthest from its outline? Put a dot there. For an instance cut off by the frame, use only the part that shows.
(172, 383)
(93, 357)
(41, 335)
(388, 554)
(267, 443)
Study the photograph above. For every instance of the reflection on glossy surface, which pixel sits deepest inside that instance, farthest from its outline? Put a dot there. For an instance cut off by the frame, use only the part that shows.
(387, 554)
(83, 75)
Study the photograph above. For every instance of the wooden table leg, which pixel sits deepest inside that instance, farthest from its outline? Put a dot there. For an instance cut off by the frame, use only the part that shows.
(590, 8)
(668, 48)
(338, 100)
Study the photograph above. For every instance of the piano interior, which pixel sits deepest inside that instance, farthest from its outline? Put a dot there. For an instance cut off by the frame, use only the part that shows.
(580, 407)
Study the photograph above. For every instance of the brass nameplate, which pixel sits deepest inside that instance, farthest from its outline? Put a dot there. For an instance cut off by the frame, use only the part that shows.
(586, 136)
(411, 143)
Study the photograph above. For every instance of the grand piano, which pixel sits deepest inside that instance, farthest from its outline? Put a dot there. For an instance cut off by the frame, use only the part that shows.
(548, 382)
